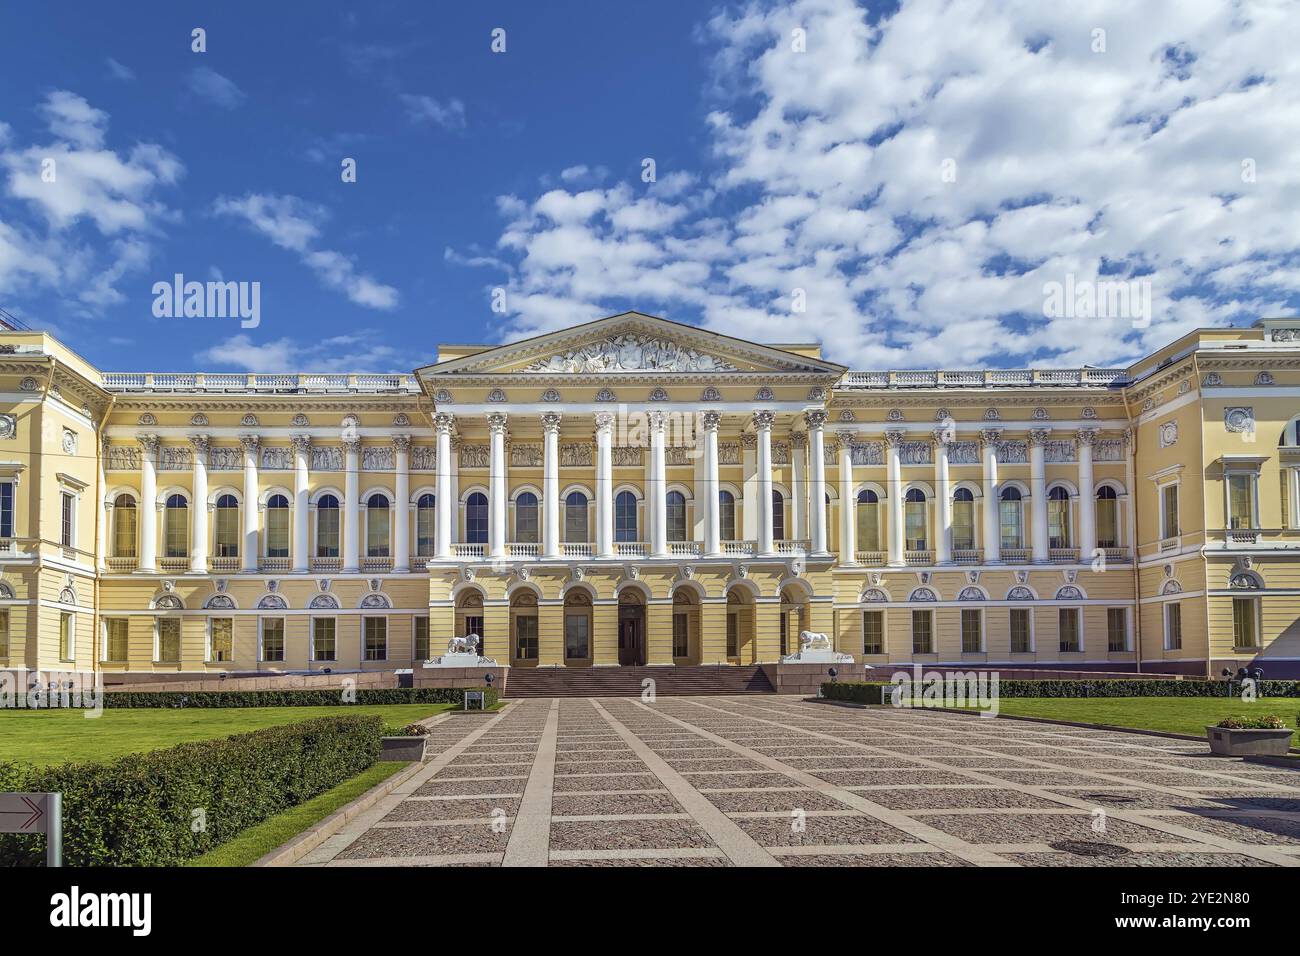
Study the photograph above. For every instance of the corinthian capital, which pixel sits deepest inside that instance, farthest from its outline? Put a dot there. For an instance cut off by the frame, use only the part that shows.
(149, 443)
(1040, 436)
(551, 422)
(711, 421)
(443, 422)
(200, 443)
(1087, 436)
(815, 418)
(301, 443)
(990, 436)
(497, 422)
(251, 442)
(895, 437)
(763, 420)
(402, 443)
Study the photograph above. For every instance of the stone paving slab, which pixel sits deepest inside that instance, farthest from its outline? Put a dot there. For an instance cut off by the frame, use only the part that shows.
(779, 781)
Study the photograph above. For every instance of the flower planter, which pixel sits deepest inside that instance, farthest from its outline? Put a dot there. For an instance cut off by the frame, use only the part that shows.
(1225, 742)
(403, 748)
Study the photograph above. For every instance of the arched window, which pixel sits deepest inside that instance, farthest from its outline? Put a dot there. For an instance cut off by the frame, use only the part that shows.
(868, 520)
(625, 517)
(575, 518)
(327, 527)
(225, 527)
(963, 520)
(277, 527)
(526, 518)
(1011, 518)
(1107, 517)
(424, 518)
(1058, 518)
(176, 533)
(476, 518)
(914, 519)
(778, 516)
(523, 625)
(124, 524)
(675, 508)
(726, 516)
(377, 526)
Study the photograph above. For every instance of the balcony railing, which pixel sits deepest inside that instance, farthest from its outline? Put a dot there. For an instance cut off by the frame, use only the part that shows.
(376, 564)
(1063, 555)
(173, 565)
(630, 549)
(919, 558)
(275, 564)
(799, 546)
(1174, 543)
(326, 564)
(967, 556)
(684, 549)
(223, 563)
(463, 550)
(873, 559)
(523, 549)
(737, 549)
(975, 378)
(121, 564)
(1015, 555)
(570, 549)
(256, 382)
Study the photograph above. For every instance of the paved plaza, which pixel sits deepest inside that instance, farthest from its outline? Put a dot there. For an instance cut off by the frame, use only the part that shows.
(770, 781)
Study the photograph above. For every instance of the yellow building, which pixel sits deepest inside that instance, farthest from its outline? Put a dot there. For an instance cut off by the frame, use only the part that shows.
(636, 491)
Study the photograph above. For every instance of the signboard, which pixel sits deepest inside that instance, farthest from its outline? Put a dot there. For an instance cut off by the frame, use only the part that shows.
(477, 697)
(35, 813)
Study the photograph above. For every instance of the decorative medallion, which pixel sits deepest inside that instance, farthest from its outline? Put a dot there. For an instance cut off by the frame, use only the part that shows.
(496, 396)
(1168, 434)
(1089, 412)
(711, 394)
(299, 421)
(895, 415)
(1239, 419)
(198, 418)
(8, 426)
(1040, 415)
(250, 420)
(551, 395)
(148, 418)
(1264, 378)
(401, 420)
(970, 594)
(992, 415)
(658, 395)
(442, 396)
(1213, 379)
(605, 395)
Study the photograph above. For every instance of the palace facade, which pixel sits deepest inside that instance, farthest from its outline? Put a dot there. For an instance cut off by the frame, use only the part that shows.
(637, 491)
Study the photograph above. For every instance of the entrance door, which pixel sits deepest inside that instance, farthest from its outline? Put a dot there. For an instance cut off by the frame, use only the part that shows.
(631, 636)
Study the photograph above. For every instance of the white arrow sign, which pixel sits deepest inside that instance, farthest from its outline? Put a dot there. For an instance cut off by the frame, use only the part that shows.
(35, 813)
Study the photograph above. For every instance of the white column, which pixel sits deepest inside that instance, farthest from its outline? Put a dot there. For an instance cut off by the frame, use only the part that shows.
(442, 423)
(1087, 503)
(943, 496)
(301, 502)
(894, 476)
(992, 515)
(551, 485)
(199, 531)
(817, 485)
(1038, 493)
(248, 549)
(708, 497)
(798, 487)
(848, 500)
(148, 503)
(604, 485)
(351, 505)
(763, 429)
(658, 490)
(497, 486)
(402, 506)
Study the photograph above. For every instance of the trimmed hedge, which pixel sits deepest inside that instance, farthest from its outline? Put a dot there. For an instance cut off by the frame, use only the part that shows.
(139, 810)
(853, 691)
(290, 698)
(1136, 687)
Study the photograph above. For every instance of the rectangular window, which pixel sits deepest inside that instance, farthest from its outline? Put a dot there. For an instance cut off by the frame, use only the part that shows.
(1116, 629)
(577, 636)
(324, 639)
(972, 630)
(1021, 638)
(963, 525)
(914, 521)
(420, 642)
(474, 625)
(1068, 625)
(1244, 630)
(115, 639)
(327, 532)
(681, 634)
(376, 629)
(922, 632)
(1169, 511)
(873, 632)
(225, 531)
(1173, 626)
(277, 532)
(526, 637)
(272, 639)
(1012, 539)
(4, 633)
(733, 635)
(221, 639)
(424, 529)
(67, 534)
(6, 509)
(169, 640)
(67, 636)
(377, 531)
(1241, 501)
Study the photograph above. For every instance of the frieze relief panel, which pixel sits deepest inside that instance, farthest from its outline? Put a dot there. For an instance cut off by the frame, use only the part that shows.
(682, 455)
(377, 458)
(631, 353)
(1108, 449)
(867, 453)
(915, 453)
(123, 458)
(1013, 452)
(576, 455)
(175, 458)
(964, 453)
(525, 455)
(277, 458)
(1058, 451)
(225, 458)
(780, 453)
(424, 458)
(326, 458)
(474, 456)
(626, 457)
(729, 453)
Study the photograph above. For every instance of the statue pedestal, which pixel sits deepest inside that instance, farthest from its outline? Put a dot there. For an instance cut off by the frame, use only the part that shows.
(817, 657)
(460, 659)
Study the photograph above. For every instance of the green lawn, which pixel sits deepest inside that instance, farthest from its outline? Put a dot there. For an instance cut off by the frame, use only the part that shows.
(255, 842)
(1180, 715)
(53, 736)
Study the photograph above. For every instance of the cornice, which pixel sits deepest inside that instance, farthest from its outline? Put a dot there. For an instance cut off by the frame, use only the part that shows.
(948, 398)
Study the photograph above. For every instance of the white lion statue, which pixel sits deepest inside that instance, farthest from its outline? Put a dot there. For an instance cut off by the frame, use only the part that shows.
(463, 645)
(813, 641)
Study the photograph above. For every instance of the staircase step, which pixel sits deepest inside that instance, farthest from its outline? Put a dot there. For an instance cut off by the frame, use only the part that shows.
(684, 681)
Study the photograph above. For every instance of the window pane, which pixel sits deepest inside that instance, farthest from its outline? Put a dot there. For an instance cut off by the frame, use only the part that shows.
(116, 630)
(327, 531)
(1058, 523)
(377, 520)
(526, 518)
(963, 525)
(1020, 638)
(681, 634)
(1169, 517)
(1116, 629)
(476, 518)
(1068, 620)
(915, 525)
(177, 534)
(873, 632)
(972, 637)
(778, 516)
(575, 518)
(1107, 523)
(1241, 501)
(67, 637)
(420, 649)
(6, 509)
(273, 639)
(675, 509)
(376, 629)
(277, 532)
(1012, 537)
(733, 635)
(577, 636)
(526, 637)
(169, 639)
(1244, 632)
(726, 516)
(625, 517)
(123, 527)
(69, 511)
(922, 633)
(222, 630)
(868, 525)
(1173, 627)
(425, 513)
(226, 528)
(324, 636)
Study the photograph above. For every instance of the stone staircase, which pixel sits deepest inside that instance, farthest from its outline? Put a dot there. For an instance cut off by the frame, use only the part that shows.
(687, 681)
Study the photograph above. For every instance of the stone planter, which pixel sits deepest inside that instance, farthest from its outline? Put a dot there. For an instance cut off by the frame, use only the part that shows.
(403, 748)
(1242, 743)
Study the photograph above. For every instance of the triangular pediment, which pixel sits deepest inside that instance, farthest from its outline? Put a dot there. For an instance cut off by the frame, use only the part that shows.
(631, 344)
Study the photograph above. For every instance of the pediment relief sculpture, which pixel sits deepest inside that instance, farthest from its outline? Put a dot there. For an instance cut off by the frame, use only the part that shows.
(630, 353)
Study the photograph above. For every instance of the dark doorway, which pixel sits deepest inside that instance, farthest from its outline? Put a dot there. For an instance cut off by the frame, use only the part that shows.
(631, 635)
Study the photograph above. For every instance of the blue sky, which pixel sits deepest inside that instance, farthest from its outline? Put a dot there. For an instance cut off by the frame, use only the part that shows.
(902, 183)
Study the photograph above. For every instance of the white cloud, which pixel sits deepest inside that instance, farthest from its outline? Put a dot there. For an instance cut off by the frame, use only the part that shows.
(294, 224)
(212, 86)
(826, 169)
(340, 353)
(64, 194)
(449, 114)
(119, 71)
